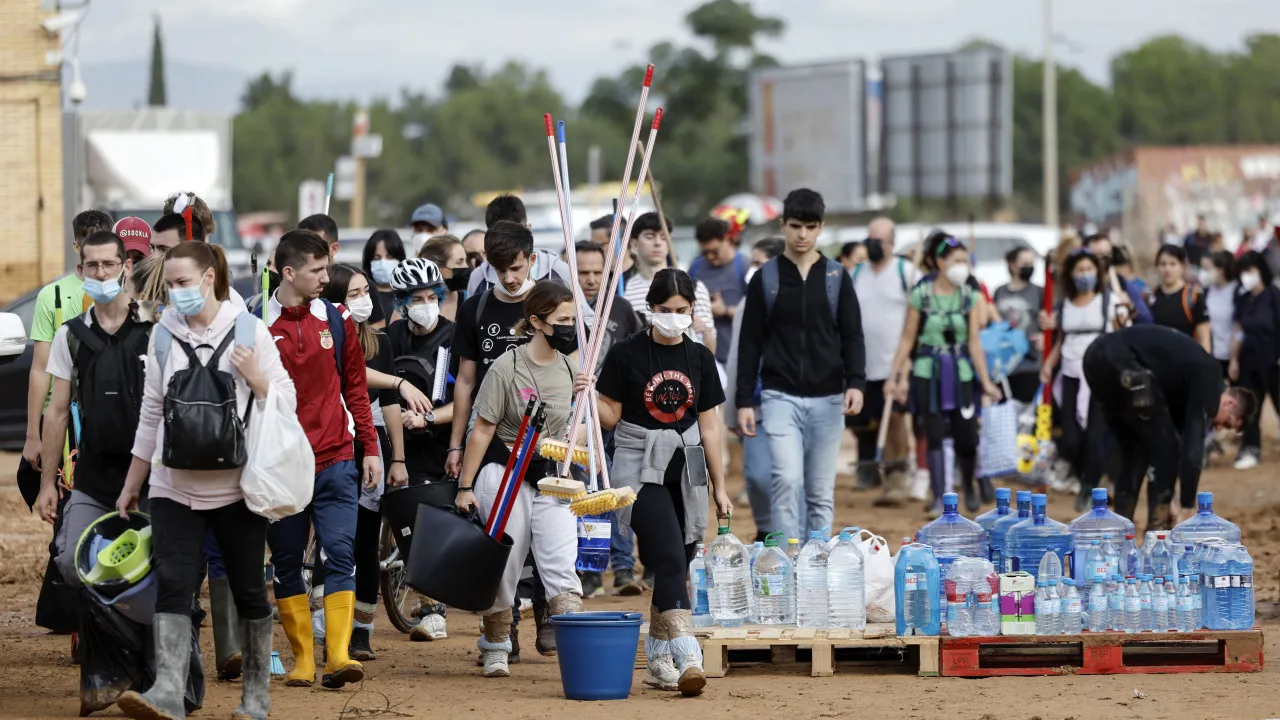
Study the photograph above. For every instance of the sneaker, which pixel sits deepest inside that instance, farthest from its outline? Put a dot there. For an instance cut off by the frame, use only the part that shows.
(525, 605)
(495, 664)
(919, 485)
(359, 648)
(661, 673)
(1246, 461)
(624, 583)
(592, 586)
(430, 628)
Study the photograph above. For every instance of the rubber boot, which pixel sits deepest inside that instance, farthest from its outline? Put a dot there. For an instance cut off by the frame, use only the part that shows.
(660, 670)
(545, 640)
(362, 632)
(164, 701)
(965, 465)
(226, 628)
(687, 652)
(295, 616)
(495, 644)
(255, 688)
(896, 478)
(986, 491)
(937, 480)
(339, 668)
(868, 477)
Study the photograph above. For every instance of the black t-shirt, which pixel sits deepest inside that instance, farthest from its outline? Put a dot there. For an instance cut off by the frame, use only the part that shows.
(384, 306)
(1182, 310)
(382, 363)
(1259, 319)
(425, 451)
(661, 386)
(486, 338)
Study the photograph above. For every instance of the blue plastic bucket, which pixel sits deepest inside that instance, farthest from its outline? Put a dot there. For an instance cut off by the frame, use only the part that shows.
(597, 653)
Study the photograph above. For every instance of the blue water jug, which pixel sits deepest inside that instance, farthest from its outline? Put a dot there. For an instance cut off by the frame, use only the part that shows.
(917, 584)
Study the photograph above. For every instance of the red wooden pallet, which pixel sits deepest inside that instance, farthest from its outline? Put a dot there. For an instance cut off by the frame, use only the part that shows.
(1103, 654)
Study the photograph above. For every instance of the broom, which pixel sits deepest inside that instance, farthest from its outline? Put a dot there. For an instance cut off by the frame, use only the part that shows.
(526, 454)
(506, 473)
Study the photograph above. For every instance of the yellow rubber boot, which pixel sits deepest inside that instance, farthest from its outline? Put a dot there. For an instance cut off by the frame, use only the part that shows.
(295, 616)
(339, 668)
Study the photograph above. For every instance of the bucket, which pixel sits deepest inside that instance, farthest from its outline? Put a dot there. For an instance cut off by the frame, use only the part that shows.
(597, 653)
(400, 508)
(454, 561)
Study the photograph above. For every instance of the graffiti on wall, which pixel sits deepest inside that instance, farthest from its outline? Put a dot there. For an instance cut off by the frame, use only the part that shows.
(1099, 193)
(1231, 193)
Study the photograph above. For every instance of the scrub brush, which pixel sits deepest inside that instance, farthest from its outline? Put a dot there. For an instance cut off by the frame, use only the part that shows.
(277, 667)
(557, 449)
(599, 503)
(562, 489)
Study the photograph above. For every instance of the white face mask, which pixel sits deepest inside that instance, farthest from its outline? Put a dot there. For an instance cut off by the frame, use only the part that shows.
(1208, 277)
(420, 238)
(1250, 280)
(958, 274)
(671, 325)
(424, 314)
(526, 287)
(361, 308)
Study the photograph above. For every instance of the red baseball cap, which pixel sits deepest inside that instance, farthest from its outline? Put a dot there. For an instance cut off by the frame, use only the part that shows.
(135, 233)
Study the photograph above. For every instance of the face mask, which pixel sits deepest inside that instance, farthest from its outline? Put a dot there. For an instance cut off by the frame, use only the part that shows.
(382, 270)
(189, 300)
(563, 338)
(526, 287)
(1025, 273)
(750, 272)
(1250, 280)
(671, 325)
(424, 314)
(361, 308)
(420, 238)
(102, 291)
(458, 283)
(1085, 283)
(875, 250)
(958, 274)
(1208, 277)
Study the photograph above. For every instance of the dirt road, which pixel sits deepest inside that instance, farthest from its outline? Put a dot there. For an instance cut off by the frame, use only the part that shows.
(437, 680)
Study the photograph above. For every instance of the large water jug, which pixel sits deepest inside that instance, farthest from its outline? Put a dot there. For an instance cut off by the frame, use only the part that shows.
(846, 573)
(1241, 589)
(1205, 524)
(1228, 590)
(972, 589)
(1031, 539)
(998, 537)
(698, 587)
(728, 579)
(772, 585)
(952, 535)
(1095, 525)
(811, 583)
(988, 518)
(917, 589)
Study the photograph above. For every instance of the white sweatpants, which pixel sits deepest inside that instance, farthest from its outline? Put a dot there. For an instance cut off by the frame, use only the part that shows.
(537, 523)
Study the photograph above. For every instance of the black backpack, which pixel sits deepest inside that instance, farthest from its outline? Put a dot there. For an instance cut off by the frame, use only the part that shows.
(418, 370)
(108, 386)
(202, 429)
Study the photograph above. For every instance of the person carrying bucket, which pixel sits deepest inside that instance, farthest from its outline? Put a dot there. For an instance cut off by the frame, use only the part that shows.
(197, 486)
(661, 390)
(538, 370)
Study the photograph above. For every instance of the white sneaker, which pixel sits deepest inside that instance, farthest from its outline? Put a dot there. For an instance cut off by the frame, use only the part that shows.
(429, 628)
(919, 489)
(1246, 461)
(525, 605)
(495, 663)
(661, 673)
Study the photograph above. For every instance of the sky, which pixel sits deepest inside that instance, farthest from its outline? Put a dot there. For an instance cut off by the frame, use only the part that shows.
(366, 48)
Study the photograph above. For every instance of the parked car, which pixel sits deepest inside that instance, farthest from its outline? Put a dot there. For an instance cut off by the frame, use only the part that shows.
(13, 378)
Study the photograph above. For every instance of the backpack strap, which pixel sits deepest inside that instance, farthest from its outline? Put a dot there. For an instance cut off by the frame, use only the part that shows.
(79, 333)
(1189, 302)
(338, 329)
(164, 341)
(902, 274)
(1106, 310)
(769, 279)
(857, 269)
(484, 300)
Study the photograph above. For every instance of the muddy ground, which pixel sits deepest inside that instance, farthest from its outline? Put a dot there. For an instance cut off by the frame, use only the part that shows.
(435, 680)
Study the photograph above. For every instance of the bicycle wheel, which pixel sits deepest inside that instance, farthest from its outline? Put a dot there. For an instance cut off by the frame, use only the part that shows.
(310, 562)
(400, 601)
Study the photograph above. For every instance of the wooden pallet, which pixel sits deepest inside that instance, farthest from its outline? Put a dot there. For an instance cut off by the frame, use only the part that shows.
(1103, 654)
(820, 649)
(642, 660)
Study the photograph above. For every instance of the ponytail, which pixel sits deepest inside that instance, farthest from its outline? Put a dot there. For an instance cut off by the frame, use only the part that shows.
(205, 256)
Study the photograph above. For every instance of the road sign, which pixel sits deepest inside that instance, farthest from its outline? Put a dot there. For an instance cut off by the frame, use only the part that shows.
(366, 146)
(310, 198)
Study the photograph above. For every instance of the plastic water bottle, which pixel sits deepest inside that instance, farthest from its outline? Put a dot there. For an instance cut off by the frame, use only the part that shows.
(952, 536)
(1205, 524)
(1044, 609)
(793, 554)
(846, 573)
(1031, 540)
(593, 542)
(1233, 567)
(1111, 554)
(988, 519)
(1055, 597)
(698, 583)
(1095, 563)
(771, 585)
(1171, 604)
(729, 579)
(972, 602)
(915, 581)
(1244, 610)
(811, 583)
(1115, 604)
(1132, 607)
(1098, 605)
(1161, 557)
(1185, 606)
(1095, 524)
(997, 538)
(1197, 602)
(793, 551)
(1159, 606)
(1130, 557)
(1071, 609)
(1217, 580)
(1146, 618)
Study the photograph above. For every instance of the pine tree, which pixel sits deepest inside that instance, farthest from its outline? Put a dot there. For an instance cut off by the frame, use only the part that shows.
(156, 91)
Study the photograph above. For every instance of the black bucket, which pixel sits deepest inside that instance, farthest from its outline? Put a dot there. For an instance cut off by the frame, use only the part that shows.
(400, 508)
(454, 561)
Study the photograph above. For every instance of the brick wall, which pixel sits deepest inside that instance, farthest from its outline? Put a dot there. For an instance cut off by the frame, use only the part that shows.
(32, 249)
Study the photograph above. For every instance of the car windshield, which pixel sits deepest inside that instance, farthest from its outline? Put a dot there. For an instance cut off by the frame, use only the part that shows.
(226, 235)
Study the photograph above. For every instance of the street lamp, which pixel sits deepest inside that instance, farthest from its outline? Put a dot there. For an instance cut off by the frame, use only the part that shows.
(1050, 112)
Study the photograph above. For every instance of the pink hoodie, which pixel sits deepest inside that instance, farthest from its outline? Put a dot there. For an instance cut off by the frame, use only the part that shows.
(200, 489)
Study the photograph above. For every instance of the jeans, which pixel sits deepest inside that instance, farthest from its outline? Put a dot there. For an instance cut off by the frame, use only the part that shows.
(757, 466)
(804, 440)
(178, 532)
(622, 546)
(333, 510)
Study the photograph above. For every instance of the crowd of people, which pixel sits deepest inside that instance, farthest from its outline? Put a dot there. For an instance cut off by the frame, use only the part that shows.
(780, 345)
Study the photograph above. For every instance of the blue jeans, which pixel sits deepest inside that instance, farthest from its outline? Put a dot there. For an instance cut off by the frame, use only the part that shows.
(804, 439)
(334, 511)
(757, 466)
(622, 547)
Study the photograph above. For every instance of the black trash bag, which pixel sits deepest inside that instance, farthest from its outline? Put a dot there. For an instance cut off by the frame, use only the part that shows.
(56, 608)
(118, 654)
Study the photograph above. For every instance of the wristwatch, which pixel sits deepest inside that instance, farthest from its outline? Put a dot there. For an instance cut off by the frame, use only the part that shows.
(430, 417)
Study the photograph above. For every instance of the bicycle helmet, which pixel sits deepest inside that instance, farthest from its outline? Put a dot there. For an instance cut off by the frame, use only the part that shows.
(416, 274)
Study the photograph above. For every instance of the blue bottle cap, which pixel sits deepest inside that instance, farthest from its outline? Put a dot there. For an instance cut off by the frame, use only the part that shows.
(1038, 500)
(816, 535)
(1041, 583)
(1023, 496)
(1133, 581)
(1184, 580)
(950, 502)
(1160, 580)
(1098, 579)
(1095, 542)
(1053, 583)
(1002, 494)
(1069, 582)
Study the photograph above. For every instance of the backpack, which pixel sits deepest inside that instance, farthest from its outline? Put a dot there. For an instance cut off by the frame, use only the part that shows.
(419, 370)
(832, 271)
(902, 273)
(1190, 295)
(202, 429)
(927, 309)
(110, 374)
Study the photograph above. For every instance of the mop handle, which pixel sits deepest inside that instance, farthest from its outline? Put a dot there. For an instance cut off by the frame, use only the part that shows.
(511, 486)
(526, 454)
(883, 435)
(631, 156)
(328, 192)
(511, 459)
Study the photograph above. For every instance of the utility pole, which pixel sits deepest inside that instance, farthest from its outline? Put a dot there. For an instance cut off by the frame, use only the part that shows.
(1050, 112)
(357, 200)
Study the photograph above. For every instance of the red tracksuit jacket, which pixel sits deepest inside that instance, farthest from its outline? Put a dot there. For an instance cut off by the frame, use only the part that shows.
(306, 347)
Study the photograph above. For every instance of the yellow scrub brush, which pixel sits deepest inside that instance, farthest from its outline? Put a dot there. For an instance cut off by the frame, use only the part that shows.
(557, 449)
(563, 489)
(599, 503)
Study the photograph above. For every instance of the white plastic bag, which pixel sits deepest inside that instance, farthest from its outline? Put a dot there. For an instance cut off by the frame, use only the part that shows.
(280, 475)
(878, 577)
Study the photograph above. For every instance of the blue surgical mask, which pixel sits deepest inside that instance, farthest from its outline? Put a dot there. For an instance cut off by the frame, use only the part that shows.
(102, 291)
(382, 269)
(188, 301)
(1085, 283)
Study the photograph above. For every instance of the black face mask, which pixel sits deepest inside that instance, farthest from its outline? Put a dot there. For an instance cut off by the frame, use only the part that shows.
(875, 250)
(459, 280)
(1025, 273)
(563, 338)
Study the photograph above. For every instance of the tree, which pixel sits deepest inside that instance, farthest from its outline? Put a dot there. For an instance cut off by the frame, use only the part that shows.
(1170, 91)
(156, 89)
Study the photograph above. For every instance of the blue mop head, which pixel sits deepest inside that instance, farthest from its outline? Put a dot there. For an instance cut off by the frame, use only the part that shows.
(277, 667)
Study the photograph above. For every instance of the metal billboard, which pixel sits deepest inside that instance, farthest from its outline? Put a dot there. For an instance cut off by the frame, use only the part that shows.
(808, 129)
(947, 128)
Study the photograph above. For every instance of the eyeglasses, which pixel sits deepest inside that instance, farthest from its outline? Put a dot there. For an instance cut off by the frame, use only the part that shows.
(110, 267)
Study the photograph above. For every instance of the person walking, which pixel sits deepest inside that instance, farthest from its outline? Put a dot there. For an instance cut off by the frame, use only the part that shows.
(1176, 303)
(383, 251)
(1221, 285)
(1019, 303)
(1255, 354)
(202, 325)
(723, 270)
(651, 250)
